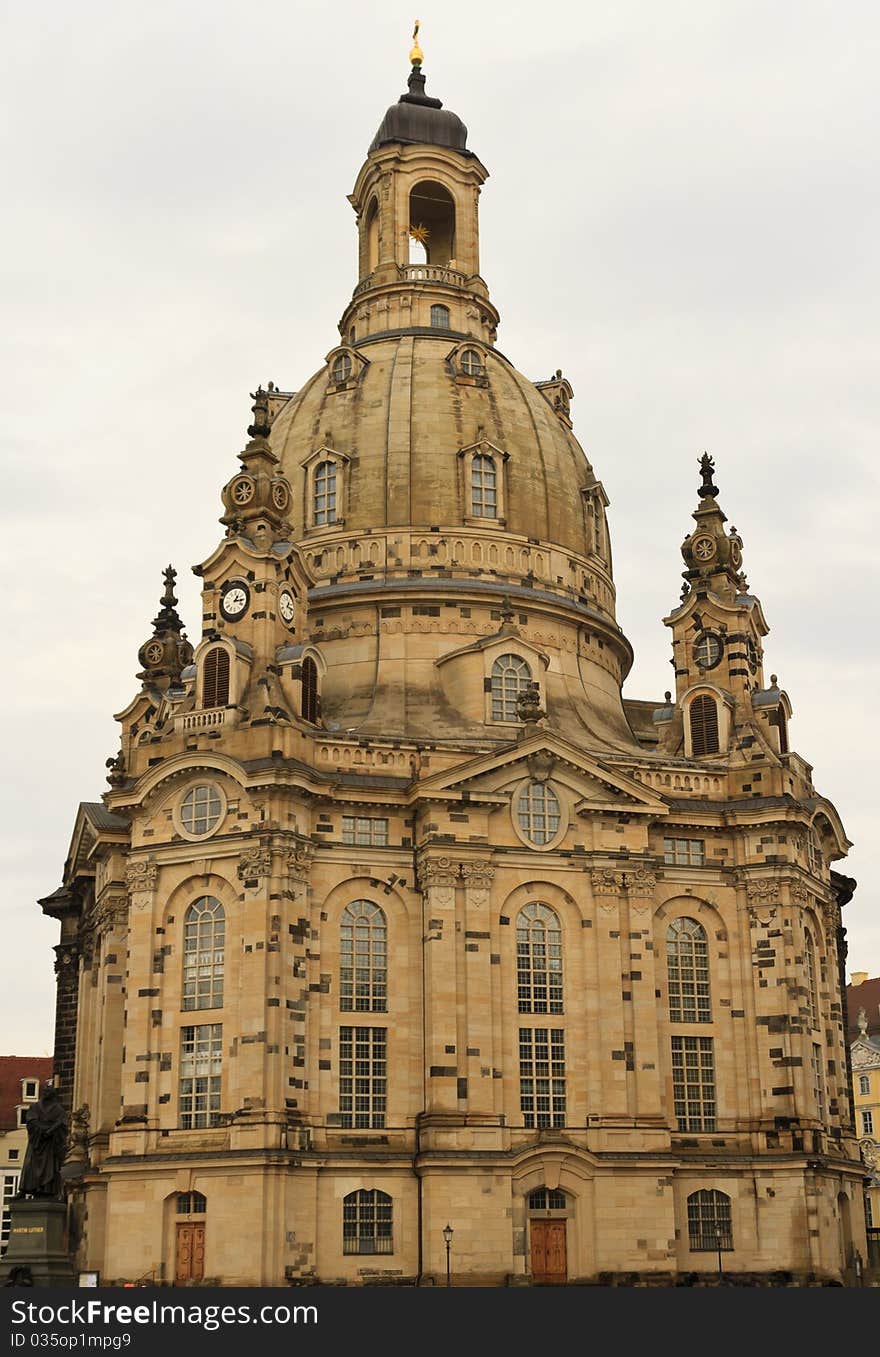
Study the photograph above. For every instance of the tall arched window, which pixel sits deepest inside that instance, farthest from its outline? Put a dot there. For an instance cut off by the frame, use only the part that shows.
(484, 487)
(363, 958)
(367, 1222)
(309, 680)
(510, 677)
(215, 678)
(538, 960)
(810, 976)
(204, 942)
(324, 493)
(687, 971)
(704, 725)
(440, 317)
(709, 1222)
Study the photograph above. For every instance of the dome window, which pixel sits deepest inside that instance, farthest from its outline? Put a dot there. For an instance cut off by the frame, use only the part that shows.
(511, 676)
(704, 726)
(484, 487)
(324, 498)
(471, 363)
(341, 369)
(215, 678)
(440, 317)
(538, 813)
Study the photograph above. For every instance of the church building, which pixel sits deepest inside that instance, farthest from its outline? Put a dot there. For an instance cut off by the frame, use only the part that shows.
(397, 916)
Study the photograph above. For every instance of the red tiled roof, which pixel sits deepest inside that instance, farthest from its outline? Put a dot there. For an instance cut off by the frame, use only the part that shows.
(866, 996)
(14, 1068)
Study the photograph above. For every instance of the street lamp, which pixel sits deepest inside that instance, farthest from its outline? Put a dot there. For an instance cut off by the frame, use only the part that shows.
(718, 1247)
(447, 1237)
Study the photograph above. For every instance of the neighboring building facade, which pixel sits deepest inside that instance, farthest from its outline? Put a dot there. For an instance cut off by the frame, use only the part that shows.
(396, 913)
(21, 1078)
(863, 1010)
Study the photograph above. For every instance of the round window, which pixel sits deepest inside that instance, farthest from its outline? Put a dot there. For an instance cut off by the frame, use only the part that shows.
(201, 809)
(538, 812)
(708, 649)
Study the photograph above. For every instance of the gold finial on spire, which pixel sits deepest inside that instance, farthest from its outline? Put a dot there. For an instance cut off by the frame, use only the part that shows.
(416, 55)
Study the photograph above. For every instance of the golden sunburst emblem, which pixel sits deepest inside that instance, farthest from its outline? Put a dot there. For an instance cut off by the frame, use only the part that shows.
(419, 233)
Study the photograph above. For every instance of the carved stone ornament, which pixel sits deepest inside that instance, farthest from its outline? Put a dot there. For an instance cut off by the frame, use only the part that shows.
(641, 882)
(141, 875)
(798, 889)
(299, 860)
(438, 876)
(477, 875)
(255, 862)
(540, 764)
(870, 1153)
(111, 913)
(606, 881)
(763, 891)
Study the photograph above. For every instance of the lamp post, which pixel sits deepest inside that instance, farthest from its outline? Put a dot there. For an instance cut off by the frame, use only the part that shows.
(718, 1247)
(447, 1237)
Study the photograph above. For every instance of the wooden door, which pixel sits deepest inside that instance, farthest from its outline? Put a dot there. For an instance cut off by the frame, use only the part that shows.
(190, 1253)
(549, 1266)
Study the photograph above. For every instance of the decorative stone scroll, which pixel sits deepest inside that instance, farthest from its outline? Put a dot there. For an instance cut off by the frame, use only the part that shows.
(477, 878)
(298, 861)
(641, 881)
(438, 875)
(763, 891)
(606, 881)
(141, 875)
(254, 863)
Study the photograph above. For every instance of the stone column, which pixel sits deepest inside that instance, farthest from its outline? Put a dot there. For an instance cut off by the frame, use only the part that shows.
(437, 880)
(640, 967)
(477, 1060)
(612, 1050)
(142, 997)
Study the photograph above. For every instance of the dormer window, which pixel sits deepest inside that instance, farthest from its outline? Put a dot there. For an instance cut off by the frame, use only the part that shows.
(440, 317)
(341, 369)
(484, 487)
(215, 678)
(471, 363)
(324, 496)
(511, 675)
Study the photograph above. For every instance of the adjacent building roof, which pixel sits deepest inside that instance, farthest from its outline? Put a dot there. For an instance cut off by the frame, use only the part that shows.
(14, 1068)
(864, 996)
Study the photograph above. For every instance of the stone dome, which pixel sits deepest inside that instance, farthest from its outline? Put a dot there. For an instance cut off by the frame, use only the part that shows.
(403, 423)
(418, 119)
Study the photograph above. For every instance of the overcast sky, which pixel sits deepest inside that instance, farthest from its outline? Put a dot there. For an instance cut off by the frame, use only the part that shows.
(683, 213)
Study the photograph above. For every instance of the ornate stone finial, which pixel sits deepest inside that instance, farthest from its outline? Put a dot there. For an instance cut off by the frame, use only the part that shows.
(707, 471)
(168, 651)
(668, 696)
(416, 54)
(528, 705)
(167, 618)
(116, 775)
(261, 427)
(774, 679)
(862, 1023)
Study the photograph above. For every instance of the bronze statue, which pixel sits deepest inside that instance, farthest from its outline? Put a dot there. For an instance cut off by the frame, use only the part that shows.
(46, 1123)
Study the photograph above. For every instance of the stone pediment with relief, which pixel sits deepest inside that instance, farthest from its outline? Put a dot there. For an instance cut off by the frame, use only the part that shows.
(864, 1054)
(546, 757)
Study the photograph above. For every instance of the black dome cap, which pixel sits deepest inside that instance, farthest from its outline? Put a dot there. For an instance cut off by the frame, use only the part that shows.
(418, 119)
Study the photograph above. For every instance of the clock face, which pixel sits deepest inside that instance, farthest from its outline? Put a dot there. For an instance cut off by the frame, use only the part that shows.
(704, 548)
(280, 496)
(234, 601)
(736, 554)
(286, 605)
(154, 652)
(708, 649)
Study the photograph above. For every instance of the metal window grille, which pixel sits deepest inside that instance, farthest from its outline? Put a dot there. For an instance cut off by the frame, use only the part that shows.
(484, 487)
(363, 1076)
(704, 725)
(687, 972)
(367, 1222)
(684, 852)
(542, 1076)
(693, 1083)
(511, 675)
(363, 958)
(369, 831)
(204, 941)
(709, 1221)
(538, 960)
(201, 1053)
(538, 812)
(200, 809)
(324, 494)
(215, 678)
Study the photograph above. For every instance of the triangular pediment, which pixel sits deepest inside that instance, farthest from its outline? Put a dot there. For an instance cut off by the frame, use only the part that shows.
(595, 785)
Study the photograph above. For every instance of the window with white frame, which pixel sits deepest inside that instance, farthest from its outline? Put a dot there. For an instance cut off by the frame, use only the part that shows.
(324, 494)
(201, 1056)
(22, 1116)
(10, 1188)
(867, 1122)
(363, 958)
(538, 812)
(371, 831)
(864, 1083)
(542, 1076)
(687, 971)
(484, 486)
(511, 675)
(810, 977)
(367, 1222)
(538, 960)
(684, 852)
(30, 1090)
(363, 1076)
(818, 1080)
(709, 1221)
(204, 943)
(693, 1083)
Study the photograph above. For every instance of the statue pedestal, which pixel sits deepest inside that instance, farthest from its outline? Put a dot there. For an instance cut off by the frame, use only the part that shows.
(38, 1240)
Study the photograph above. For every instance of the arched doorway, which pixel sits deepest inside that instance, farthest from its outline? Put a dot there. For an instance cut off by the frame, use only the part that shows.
(548, 1211)
(844, 1215)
